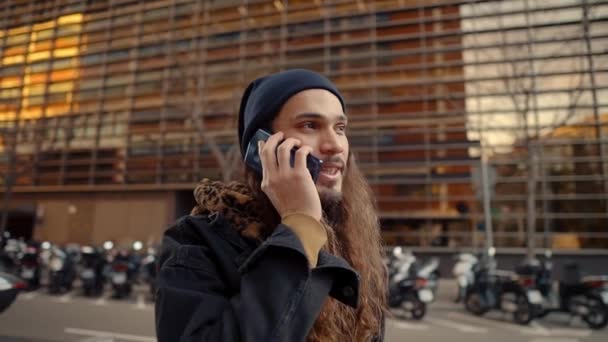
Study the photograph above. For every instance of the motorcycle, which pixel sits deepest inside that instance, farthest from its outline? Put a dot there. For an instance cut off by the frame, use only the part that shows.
(430, 271)
(577, 295)
(61, 272)
(504, 291)
(29, 267)
(149, 271)
(123, 271)
(408, 290)
(91, 271)
(9, 260)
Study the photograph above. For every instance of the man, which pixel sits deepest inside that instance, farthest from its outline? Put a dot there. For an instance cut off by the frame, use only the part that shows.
(279, 258)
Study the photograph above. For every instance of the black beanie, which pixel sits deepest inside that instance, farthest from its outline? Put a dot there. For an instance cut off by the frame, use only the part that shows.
(264, 98)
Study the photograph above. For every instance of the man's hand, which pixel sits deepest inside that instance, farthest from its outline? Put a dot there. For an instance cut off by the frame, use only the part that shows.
(291, 190)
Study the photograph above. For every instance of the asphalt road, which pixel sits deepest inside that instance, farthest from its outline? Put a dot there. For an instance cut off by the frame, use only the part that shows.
(38, 317)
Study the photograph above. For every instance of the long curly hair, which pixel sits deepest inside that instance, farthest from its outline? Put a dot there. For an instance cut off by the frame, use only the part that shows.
(356, 238)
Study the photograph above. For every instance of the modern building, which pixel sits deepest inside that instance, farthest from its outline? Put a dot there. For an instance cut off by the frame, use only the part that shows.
(112, 110)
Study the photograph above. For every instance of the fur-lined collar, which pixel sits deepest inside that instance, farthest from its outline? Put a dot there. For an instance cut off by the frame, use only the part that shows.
(235, 202)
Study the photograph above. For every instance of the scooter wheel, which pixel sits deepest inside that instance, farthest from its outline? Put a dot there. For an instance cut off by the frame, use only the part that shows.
(597, 318)
(419, 310)
(475, 304)
(525, 310)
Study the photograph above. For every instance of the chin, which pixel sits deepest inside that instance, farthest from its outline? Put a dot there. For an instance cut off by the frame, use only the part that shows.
(329, 190)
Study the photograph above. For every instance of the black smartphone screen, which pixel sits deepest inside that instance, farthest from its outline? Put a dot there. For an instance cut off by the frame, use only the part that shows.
(252, 156)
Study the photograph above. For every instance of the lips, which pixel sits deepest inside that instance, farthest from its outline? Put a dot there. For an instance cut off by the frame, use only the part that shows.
(330, 172)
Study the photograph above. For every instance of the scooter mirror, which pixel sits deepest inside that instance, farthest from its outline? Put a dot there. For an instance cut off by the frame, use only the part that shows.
(108, 245)
(138, 245)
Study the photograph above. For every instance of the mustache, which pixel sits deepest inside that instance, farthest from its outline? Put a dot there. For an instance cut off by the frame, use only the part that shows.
(335, 160)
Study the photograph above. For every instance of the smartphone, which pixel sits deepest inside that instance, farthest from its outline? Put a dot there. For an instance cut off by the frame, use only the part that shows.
(252, 156)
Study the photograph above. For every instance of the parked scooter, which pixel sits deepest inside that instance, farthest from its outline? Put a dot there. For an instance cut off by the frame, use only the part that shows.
(29, 267)
(586, 297)
(91, 271)
(149, 271)
(408, 293)
(62, 271)
(430, 271)
(123, 271)
(9, 251)
(463, 272)
(502, 290)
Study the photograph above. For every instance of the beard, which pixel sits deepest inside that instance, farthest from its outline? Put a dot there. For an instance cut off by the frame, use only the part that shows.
(334, 212)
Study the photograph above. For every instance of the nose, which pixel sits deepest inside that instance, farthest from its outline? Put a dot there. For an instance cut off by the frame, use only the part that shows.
(331, 144)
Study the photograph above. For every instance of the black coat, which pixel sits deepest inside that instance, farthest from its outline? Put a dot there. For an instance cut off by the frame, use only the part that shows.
(214, 285)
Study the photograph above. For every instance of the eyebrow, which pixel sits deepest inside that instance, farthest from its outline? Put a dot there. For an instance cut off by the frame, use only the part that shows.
(318, 116)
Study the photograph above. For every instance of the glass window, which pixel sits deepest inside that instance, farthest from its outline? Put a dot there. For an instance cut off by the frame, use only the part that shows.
(66, 41)
(156, 13)
(151, 50)
(148, 87)
(13, 59)
(60, 75)
(97, 24)
(118, 54)
(9, 82)
(149, 75)
(61, 87)
(68, 30)
(14, 70)
(306, 27)
(118, 79)
(66, 52)
(10, 93)
(225, 37)
(57, 97)
(84, 95)
(42, 35)
(118, 91)
(183, 45)
(35, 90)
(33, 100)
(70, 19)
(91, 59)
(64, 63)
(125, 19)
(90, 83)
(39, 55)
(17, 39)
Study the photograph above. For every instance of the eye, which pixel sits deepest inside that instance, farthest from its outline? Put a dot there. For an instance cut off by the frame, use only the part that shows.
(308, 125)
(341, 128)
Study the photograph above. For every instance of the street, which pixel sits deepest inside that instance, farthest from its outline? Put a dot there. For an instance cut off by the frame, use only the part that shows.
(39, 317)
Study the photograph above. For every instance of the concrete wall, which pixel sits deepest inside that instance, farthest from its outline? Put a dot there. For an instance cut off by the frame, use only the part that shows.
(92, 218)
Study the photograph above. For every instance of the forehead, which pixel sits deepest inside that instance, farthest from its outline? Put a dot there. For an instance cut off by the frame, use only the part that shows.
(317, 101)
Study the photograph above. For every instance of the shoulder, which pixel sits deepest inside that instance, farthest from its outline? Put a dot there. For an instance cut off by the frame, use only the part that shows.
(187, 232)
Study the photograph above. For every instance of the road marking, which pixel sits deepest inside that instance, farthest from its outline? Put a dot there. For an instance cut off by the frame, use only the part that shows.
(570, 332)
(28, 296)
(534, 329)
(542, 339)
(484, 321)
(97, 333)
(66, 298)
(539, 329)
(458, 326)
(410, 326)
(101, 301)
(141, 302)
